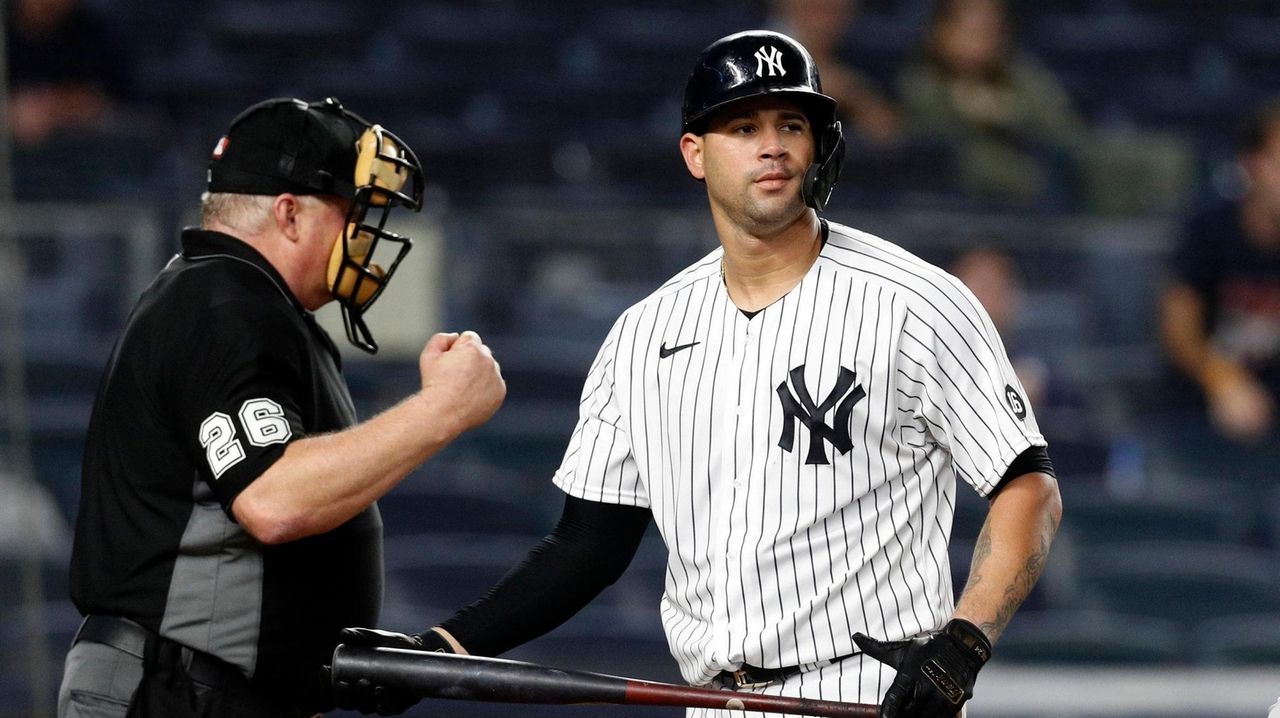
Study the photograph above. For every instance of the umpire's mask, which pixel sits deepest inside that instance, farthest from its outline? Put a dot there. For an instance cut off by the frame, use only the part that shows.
(287, 145)
(385, 168)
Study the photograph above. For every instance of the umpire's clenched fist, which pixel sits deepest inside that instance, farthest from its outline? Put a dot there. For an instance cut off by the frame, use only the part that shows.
(936, 672)
(462, 379)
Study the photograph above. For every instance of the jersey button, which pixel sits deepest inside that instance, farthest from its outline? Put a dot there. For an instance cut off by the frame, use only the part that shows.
(737, 483)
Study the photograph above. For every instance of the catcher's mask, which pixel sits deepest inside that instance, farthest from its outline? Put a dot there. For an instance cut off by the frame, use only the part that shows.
(762, 62)
(287, 145)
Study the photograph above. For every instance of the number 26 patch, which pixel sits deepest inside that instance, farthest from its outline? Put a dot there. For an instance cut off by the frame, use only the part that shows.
(263, 422)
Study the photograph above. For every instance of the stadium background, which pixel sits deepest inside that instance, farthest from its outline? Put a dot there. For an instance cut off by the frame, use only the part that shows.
(556, 198)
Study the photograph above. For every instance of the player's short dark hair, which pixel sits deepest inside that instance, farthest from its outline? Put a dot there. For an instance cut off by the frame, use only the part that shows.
(1259, 128)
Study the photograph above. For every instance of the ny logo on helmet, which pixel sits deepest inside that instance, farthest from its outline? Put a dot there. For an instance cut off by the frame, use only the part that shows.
(801, 408)
(772, 57)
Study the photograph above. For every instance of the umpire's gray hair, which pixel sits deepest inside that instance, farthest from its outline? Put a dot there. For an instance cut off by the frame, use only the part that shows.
(246, 213)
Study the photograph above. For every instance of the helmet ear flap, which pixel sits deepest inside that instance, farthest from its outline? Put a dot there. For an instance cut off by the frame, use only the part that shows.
(820, 178)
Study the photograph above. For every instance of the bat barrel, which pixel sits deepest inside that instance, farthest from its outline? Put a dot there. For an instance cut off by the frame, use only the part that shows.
(444, 675)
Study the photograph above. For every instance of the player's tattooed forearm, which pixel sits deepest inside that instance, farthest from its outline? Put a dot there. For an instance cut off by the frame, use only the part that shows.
(1016, 592)
(981, 551)
(1023, 581)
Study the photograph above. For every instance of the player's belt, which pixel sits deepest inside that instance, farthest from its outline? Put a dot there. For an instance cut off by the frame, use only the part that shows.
(749, 676)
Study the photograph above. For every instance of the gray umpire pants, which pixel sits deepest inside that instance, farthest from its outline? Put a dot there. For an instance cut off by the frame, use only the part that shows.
(98, 681)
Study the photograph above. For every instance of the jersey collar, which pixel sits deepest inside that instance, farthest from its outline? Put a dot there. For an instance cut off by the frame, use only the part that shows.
(200, 244)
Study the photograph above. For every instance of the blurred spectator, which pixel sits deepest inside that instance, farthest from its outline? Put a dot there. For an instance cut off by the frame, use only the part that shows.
(1220, 315)
(996, 281)
(1014, 127)
(63, 72)
(822, 26)
(77, 135)
(1016, 133)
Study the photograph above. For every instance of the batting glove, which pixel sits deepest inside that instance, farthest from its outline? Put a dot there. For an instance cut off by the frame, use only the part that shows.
(365, 695)
(936, 672)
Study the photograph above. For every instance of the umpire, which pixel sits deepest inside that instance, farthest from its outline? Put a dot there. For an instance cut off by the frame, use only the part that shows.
(227, 525)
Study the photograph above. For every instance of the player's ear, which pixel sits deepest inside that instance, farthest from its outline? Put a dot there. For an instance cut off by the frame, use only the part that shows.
(691, 150)
(284, 212)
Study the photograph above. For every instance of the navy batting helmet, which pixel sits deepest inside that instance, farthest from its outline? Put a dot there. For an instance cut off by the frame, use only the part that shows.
(762, 62)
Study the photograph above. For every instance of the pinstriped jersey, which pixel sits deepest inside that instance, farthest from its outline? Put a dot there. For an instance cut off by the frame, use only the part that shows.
(800, 463)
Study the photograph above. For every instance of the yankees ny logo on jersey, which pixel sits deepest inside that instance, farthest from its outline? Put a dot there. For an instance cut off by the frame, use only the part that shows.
(801, 408)
(772, 57)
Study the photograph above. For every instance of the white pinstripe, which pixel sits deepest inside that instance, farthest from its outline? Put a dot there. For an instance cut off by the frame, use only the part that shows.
(774, 561)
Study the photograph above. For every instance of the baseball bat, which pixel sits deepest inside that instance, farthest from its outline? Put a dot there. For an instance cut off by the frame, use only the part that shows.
(498, 680)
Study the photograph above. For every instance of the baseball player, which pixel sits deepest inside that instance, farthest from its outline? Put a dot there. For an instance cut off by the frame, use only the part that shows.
(793, 411)
(227, 527)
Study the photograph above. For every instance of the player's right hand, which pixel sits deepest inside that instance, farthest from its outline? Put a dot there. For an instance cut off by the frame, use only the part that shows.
(369, 697)
(459, 373)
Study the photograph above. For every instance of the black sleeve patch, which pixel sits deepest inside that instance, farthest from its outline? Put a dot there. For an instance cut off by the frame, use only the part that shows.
(1015, 401)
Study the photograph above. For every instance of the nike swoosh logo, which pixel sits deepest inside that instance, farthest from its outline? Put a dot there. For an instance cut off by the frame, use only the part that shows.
(664, 351)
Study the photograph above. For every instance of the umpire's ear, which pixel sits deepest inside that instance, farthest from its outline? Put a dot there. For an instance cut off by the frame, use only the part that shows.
(284, 213)
(691, 150)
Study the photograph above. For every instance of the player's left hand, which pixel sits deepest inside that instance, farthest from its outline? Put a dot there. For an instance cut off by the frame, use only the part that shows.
(936, 672)
(369, 697)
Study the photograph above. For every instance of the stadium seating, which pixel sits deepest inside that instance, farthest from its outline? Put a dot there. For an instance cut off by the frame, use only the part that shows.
(1090, 637)
(1249, 639)
(1098, 519)
(1182, 581)
(548, 131)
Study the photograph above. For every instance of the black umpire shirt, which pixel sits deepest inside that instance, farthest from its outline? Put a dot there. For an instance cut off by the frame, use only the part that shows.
(218, 369)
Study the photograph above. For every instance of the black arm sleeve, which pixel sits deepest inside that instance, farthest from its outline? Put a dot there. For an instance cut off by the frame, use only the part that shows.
(1035, 458)
(589, 548)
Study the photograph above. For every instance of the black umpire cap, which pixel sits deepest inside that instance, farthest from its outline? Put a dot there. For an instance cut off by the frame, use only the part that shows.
(288, 145)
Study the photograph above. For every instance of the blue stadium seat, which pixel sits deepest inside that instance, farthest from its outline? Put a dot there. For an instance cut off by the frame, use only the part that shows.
(315, 29)
(1252, 39)
(1096, 518)
(1069, 636)
(881, 42)
(413, 508)
(440, 573)
(1187, 582)
(1252, 639)
(1108, 45)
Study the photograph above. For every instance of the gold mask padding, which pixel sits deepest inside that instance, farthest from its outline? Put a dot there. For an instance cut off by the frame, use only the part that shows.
(345, 287)
(372, 170)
